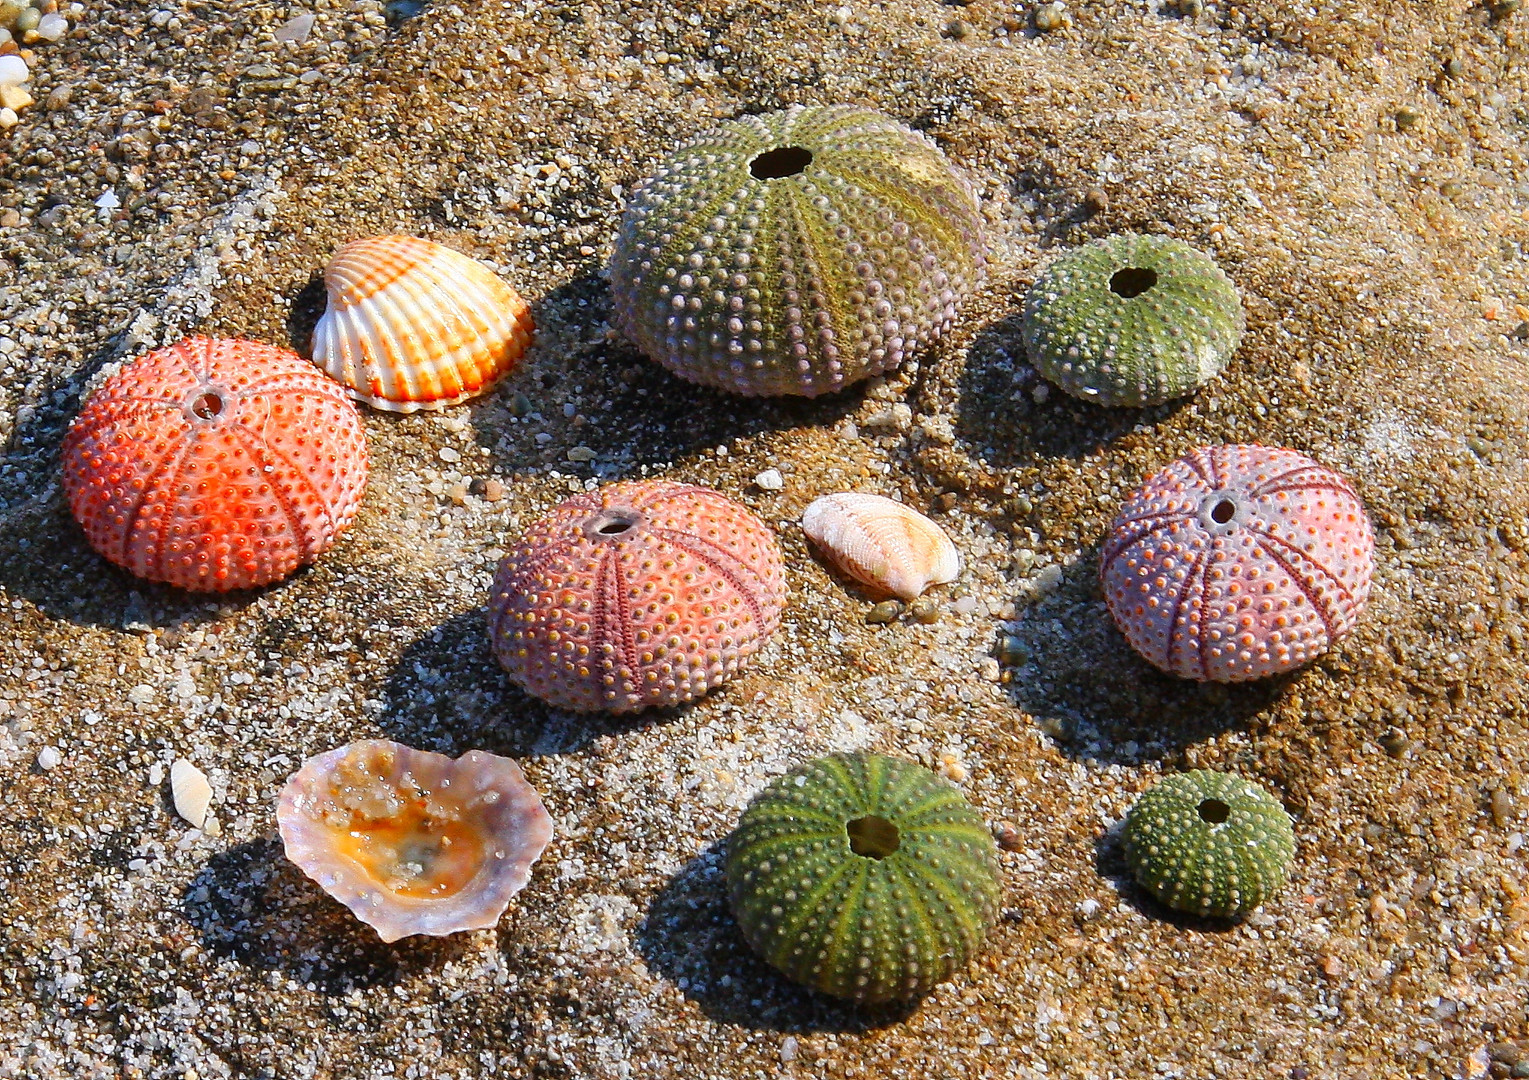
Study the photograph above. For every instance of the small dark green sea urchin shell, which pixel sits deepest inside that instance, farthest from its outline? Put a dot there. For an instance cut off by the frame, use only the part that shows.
(795, 252)
(864, 877)
(1209, 843)
(1132, 320)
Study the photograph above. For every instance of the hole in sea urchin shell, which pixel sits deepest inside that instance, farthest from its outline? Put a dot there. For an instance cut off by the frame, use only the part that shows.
(1223, 511)
(1132, 281)
(207, 404)
(871, 836)
(1213, 811)
(612, 523)
(782, 161)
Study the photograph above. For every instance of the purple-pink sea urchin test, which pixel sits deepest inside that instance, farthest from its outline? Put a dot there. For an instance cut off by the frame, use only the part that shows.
(641, 594)
(795, 252)
(1237, 562)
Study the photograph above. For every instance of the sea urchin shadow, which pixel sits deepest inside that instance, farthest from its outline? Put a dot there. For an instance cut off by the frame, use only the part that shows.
(691, 938)
(1110, 864)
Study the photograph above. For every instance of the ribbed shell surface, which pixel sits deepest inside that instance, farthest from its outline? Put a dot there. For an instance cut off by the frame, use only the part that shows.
(1129, 347)
(1238, 562)
(881, 543)
(861, 927)
(215, 464)
(800, 283)
(640, 594)
(1223, 862)
(412, 324)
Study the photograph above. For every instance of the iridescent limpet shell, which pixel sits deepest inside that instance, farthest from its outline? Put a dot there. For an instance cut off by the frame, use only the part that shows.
(414, 842)
(412, 324)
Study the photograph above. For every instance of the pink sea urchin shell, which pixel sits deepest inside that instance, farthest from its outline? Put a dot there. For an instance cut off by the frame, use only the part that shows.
(215, 464)
(414, 842)
(1237, 562)
(640, 594)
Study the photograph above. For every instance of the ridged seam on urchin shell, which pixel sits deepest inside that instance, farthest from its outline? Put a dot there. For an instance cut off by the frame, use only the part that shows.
(869, 927)
(215, 464)
(641, 594)
(830, 269)
(1168, 327)
(1209, 843)
(1238, 562)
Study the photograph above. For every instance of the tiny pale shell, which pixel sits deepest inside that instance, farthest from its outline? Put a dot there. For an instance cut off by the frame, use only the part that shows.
(190, 792)
(412, 324)
(882, 543)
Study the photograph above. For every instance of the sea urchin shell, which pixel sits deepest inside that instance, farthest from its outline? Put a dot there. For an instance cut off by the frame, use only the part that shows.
(412, 324)
(863, 876)
(215, 464)
(881, 543)
(795, 252)
(1209, 843)
(1237, 562)
(414, 842)
(640, 594)
(1132, 320)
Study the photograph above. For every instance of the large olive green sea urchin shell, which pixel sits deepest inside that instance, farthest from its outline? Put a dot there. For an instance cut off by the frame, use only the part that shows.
(1132, 320)
(864, 877)
(795, 252)
(1209, 843)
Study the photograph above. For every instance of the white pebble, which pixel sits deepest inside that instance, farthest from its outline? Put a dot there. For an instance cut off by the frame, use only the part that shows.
(296, 29)
(965, 605)
(13, 71)
(770, 480)
(8, 118)
(190, 791)
(109, 201)
(449, 454)
(48, 758)
(52, 27)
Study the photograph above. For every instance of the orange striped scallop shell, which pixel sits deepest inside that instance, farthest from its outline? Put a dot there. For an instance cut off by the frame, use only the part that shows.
(412, 324)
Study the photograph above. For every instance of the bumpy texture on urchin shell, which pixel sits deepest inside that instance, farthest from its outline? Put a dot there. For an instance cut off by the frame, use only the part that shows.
(412, 324)
(881, 543)
(857, 926)
(1132, 350)
(414, 842)
(640, 594)
(215, 464)
(1237, 562)
(800, 283)
(1222, 860)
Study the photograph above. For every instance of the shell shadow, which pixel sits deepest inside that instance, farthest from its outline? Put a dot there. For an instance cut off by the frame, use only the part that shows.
(627, 409)
(1110, 864)
(251, 905)
(1000, 420)
(690, 938)
(306, 305)
(447, 693)
(1094, 696)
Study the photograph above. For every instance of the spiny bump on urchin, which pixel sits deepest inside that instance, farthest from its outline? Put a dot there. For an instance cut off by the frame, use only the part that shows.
(215, 464)
(863, 876)
(1209, 843)
(640, 594)
(1132, 320)
(1238, 562)
(796, 252)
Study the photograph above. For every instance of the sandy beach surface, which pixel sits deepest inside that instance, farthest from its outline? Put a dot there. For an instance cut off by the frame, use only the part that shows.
(1358, 168)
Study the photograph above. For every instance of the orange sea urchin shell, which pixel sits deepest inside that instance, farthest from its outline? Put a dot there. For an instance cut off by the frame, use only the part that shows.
(215, 464)
(414, 842)
(412, 324)
(640, 594)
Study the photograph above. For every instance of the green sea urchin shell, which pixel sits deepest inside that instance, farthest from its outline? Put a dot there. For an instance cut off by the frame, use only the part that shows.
(795, 252)
(1132, 320)
(864, 877)
(1209, 843)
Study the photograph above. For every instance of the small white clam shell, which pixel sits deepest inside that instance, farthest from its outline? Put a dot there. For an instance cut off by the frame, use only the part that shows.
(882, 543)
(414, 842)
(412, 324)
(190, 792)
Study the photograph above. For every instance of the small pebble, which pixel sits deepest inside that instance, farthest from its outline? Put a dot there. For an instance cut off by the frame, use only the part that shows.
(457, 493)
(770, 480)
(520, 405)
(1007, 836)
(1096, 201)
(449, 454)
(924, 610)
(884, 612)
(1505, 1052)
(1395, 743)
(8, 120)
(13, 71)
(965, 605)
(788, 1048)
(1012, 651)
(1407, 118)
(951, 768)
(493, 490)
(52, 27)
(1502, 808)
(48, 758)
(296, 29)
(1050, 17)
